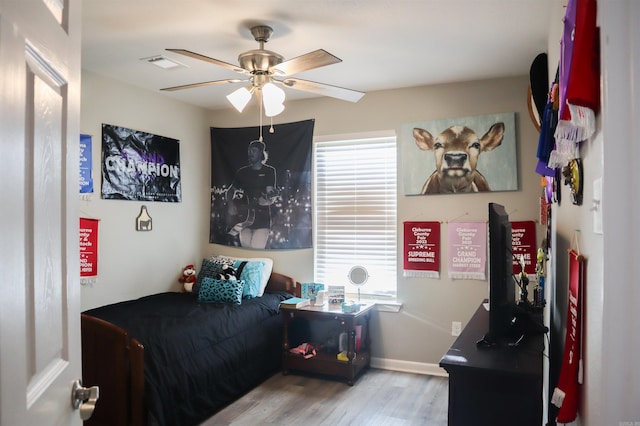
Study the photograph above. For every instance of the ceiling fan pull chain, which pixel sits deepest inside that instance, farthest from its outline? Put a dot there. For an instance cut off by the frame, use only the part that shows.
(260, 102)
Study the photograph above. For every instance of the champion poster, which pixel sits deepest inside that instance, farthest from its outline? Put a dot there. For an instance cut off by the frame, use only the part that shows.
(86, 180)
(523, 243)
(422, 249)
(467, 250)
(139, 166)
(88, 247)
(566, 395)
(261, 189)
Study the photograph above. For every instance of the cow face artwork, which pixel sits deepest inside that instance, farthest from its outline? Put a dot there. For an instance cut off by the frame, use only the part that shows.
(456, 152)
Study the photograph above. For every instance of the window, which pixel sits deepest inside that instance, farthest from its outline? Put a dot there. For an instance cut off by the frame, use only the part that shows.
(355, 199)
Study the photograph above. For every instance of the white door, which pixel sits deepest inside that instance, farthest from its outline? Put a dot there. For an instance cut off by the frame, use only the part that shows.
(39, 257)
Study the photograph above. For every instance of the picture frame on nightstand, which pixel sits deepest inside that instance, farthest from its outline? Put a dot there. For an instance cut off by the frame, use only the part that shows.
(310, 290)
(336, 294)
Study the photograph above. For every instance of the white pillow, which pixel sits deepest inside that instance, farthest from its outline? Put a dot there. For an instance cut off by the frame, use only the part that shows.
(266, 273)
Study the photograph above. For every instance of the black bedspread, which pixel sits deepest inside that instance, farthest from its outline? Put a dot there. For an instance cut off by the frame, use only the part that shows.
(199, 356)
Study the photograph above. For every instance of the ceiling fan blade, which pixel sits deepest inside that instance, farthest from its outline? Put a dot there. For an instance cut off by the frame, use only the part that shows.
(194, 55)
(204, 83)
(317, 58)
(323, 89)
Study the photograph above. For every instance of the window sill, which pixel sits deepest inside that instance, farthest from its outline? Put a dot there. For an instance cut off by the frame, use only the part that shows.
(384, 306)
(388, 306)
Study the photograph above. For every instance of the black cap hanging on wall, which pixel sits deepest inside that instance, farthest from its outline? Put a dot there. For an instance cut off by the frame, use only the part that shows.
(538, 88)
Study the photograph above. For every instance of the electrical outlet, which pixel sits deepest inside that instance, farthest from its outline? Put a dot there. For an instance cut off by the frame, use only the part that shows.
(456, 328)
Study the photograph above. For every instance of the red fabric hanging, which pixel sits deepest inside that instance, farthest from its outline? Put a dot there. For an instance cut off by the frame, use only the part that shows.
(565, 396)
(584, 79)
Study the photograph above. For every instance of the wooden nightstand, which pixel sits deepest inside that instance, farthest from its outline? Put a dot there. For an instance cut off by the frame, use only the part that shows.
(325, 361)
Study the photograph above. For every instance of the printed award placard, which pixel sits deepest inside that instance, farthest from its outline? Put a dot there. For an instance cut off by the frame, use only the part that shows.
(523, 243)
(88, 247)
(467, 250)
(139, 166)
(86, 180)
(566, 395)
(422, 249)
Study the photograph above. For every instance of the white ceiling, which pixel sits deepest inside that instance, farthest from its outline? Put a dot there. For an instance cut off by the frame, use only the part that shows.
(384, 44)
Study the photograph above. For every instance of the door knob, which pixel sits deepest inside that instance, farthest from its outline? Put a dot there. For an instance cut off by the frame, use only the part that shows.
(84, 398)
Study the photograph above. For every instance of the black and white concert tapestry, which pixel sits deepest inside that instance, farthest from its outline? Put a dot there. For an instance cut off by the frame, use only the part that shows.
(261, 190)
(139, 166)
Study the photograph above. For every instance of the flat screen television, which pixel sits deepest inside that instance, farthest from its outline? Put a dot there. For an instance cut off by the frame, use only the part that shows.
(502, 293)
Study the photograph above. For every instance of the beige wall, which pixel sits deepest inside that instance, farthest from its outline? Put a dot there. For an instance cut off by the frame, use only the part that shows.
(134, 263)
(421, 332)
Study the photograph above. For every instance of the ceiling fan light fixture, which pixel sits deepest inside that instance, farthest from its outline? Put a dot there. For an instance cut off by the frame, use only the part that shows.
(240, 98)
(273, 99)
(273, 111)
(259, 66)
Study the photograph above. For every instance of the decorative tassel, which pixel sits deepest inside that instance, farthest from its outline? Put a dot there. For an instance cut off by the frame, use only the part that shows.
(467, 276)
(421, 274)
(584, 119)
(565, 151)
(566, 132)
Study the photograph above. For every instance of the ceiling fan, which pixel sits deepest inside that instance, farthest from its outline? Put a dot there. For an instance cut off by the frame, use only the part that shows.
(264, 69)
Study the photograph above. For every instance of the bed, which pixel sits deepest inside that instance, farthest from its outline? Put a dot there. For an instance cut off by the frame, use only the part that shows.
(167, 359)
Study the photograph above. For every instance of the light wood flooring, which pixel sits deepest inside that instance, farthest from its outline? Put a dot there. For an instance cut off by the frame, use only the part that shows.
(378, 397)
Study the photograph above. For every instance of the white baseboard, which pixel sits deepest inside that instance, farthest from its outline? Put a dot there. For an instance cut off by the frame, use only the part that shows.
(408, 367)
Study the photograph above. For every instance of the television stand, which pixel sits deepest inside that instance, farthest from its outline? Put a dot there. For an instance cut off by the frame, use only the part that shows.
(500, 385)
(486, 342)
(527, 322)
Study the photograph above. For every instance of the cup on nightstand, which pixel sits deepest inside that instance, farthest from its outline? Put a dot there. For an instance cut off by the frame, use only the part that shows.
(321, 297)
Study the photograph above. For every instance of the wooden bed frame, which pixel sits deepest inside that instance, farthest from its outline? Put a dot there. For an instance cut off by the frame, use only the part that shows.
(115, 362)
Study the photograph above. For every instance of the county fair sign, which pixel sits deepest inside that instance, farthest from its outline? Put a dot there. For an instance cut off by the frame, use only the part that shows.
(467, 250)
(422, 249)
(88, 247)
(523, 243)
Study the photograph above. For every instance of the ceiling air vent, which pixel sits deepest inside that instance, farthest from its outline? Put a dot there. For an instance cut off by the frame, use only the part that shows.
(163, 62)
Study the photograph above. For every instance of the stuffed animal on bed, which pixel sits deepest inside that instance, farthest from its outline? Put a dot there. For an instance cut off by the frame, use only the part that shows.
(188, 278)
(228, 273)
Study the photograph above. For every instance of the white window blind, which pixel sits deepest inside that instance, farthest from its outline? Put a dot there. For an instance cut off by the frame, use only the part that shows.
(355, 212)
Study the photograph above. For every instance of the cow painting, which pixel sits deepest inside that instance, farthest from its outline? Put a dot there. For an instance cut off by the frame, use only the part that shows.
(456, 152)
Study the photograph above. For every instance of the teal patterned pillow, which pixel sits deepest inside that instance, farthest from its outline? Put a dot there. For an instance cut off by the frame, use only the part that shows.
(251, 274)
(221, 291)
(210, 268)
(206, 270)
